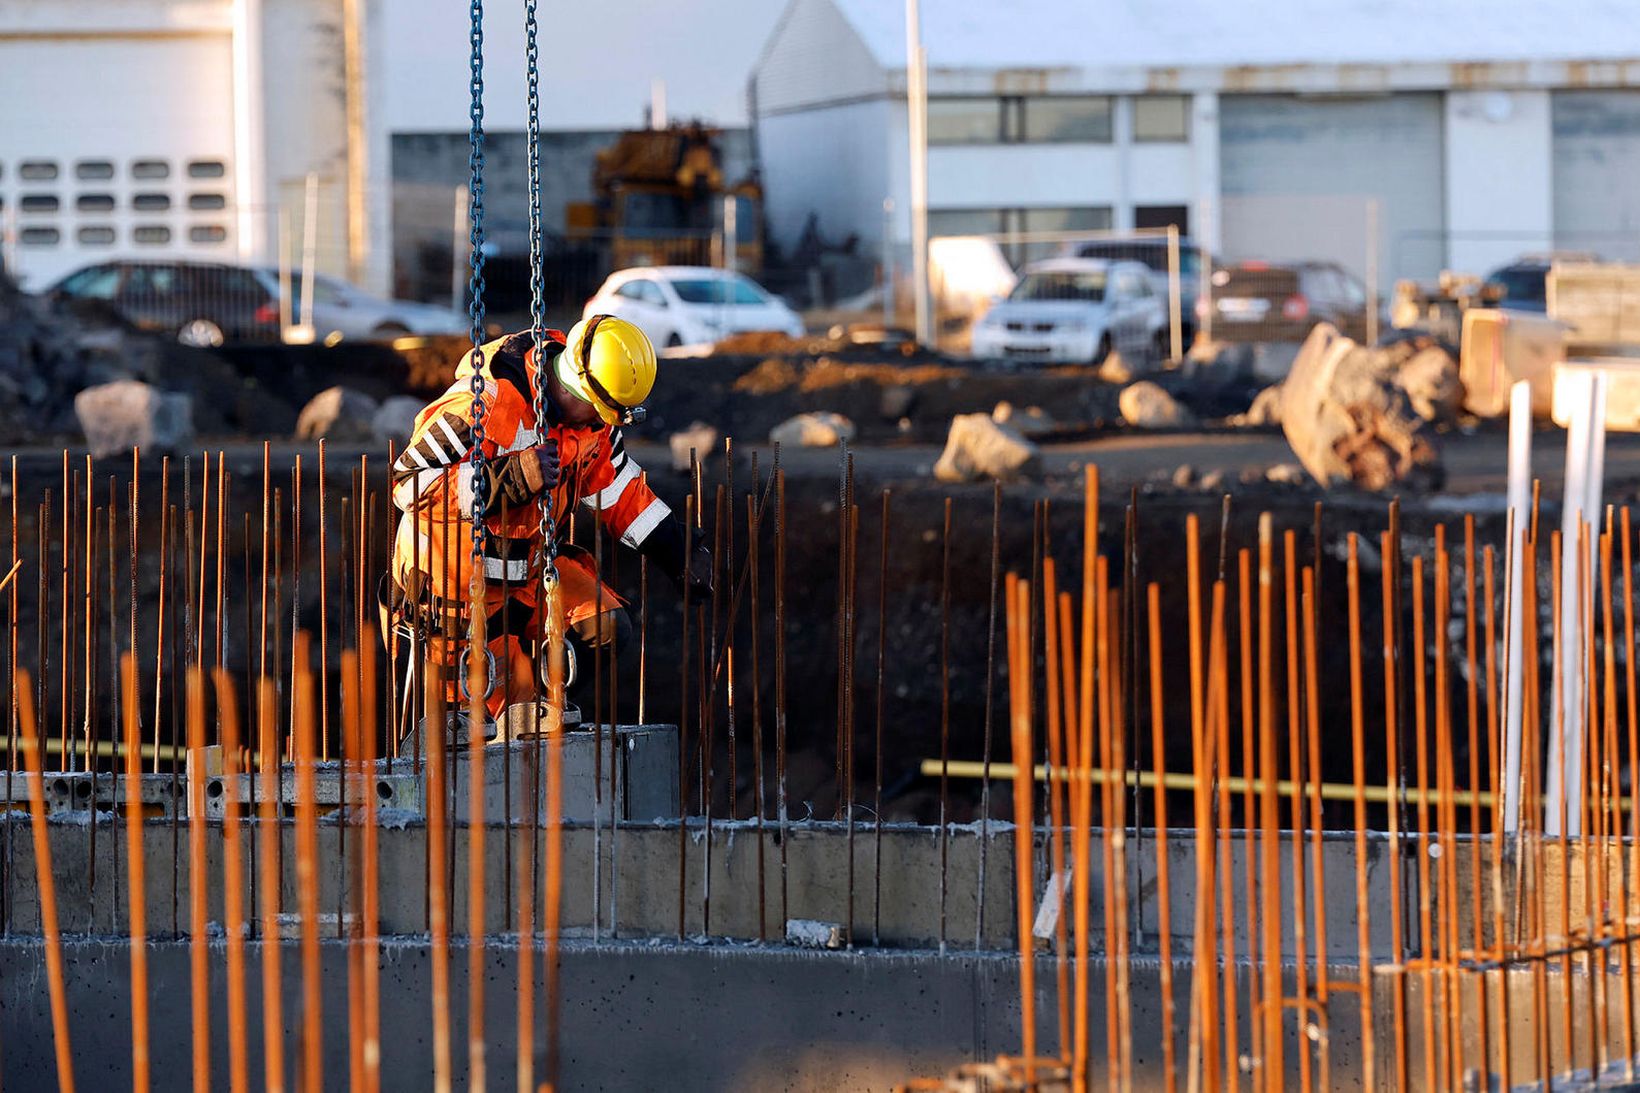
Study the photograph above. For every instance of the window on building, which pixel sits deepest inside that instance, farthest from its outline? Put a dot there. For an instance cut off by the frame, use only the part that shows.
(1066, 119)
(207, 168)
(151, 235)
(39, 237)
(1162, 217)
(39, 203)
(37, 170)
(98, 236)
(1089, 218)
(955, 120)
(1161, 117)
(151, 203)
(94, 203)
(93, 170)
(207, 233)
(205, 202)
(965, 221)
(148, 169)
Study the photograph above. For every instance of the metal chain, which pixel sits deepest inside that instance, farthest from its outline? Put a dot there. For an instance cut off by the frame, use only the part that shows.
(475, 306)
(538, 308)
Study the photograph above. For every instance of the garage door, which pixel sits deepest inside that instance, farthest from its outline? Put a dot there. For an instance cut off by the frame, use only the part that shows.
(1298, 174)
(1596, 162)
(115, 147)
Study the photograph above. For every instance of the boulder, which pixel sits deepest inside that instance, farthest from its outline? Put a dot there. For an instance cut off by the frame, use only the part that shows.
(816, 429)
(1349, 421)
(1430, 379)
(1289, 474)
(338, 413)
(115, 417)
(1113, 369)
(1149, 407)
(1212, 481)
(700, 438)
(395, 419)
(1184, 476)
(1265, 410)
(979, 447)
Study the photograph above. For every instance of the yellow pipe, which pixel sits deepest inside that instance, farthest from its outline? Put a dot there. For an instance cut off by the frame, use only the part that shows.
(1330, 791)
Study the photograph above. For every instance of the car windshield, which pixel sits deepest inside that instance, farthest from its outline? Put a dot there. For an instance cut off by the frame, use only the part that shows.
(718, 290)
(1522, 283)
(1061, 285)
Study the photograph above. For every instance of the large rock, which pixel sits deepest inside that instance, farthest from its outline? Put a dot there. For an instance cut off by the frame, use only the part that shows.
(338, 413)
(1265, 410)
(1148, 406)
(817, 429)
(978, 447)
(699, 439)
(395, 419)
(1349, 421)
(1430, 379)
(115, 417)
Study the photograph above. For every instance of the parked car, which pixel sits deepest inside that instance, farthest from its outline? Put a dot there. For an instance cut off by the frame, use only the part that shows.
(1152, 251)
(691, 305)
(1524, 283)
(198, 303)
(1075, 310)
(1282, 302)
(342, 310)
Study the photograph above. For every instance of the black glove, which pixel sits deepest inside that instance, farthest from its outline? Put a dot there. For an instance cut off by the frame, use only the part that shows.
(518, 478)
(685, 565)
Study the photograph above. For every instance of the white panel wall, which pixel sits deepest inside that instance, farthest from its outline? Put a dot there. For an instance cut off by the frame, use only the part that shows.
(151, 98)
(835, 163)
(1499, 201)
(816, 57)
(597, 62)
(989, 176)
(1596, 164)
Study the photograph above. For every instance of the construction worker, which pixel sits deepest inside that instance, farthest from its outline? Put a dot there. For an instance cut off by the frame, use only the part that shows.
(594, 380)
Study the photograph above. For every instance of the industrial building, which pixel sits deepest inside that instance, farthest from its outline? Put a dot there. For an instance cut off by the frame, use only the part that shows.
(1275, 129)
(189, 128)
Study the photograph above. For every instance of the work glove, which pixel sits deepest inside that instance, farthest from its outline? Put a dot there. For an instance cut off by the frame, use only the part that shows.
(687, 566)
(518, 478)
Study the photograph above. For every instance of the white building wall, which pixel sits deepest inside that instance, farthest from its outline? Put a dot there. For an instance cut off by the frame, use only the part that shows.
(991, 176)
(1499, 197)
(814, 56)
(835, 163)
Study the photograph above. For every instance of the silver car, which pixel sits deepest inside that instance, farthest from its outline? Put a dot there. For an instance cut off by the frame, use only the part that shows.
(1074, 310)
(344, 311)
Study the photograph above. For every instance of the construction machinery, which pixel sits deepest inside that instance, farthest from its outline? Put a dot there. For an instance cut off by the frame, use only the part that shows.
(661, 198)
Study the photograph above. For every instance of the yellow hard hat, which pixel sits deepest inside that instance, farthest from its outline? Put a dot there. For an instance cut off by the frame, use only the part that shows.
(611, 364)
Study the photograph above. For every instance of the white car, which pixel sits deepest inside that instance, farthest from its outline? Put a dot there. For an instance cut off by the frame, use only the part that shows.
(344, 311)
(691, 305)
(1074, 310)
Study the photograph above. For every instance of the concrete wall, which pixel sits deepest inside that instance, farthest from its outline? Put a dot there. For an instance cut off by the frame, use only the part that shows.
(1499, 198)
(679, 1017)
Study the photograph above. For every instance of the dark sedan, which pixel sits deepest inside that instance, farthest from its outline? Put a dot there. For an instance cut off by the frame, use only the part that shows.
(198, 303)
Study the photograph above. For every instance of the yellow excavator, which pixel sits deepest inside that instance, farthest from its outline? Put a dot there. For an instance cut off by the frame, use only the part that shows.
(660, 198)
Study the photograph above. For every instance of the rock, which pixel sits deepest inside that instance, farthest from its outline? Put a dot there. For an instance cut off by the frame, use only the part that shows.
(1430, 380)
(814, 934)
(395, 419)
(978, 447)
(1212, 481)
(1184, 476)
(1113, 369)
(1149, 407)
(1286, 473)
(1347, 419)
(338, 413)
(115, 417)
(1033, 421)
(896, 401)
(699, 439)
(816, 429)
(1265, 410)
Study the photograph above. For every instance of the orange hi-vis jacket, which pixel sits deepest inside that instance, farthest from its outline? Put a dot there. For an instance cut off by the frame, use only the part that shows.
(433, 485)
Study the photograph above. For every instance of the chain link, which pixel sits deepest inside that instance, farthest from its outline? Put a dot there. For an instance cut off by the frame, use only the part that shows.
(538, 309)
(475, 309)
